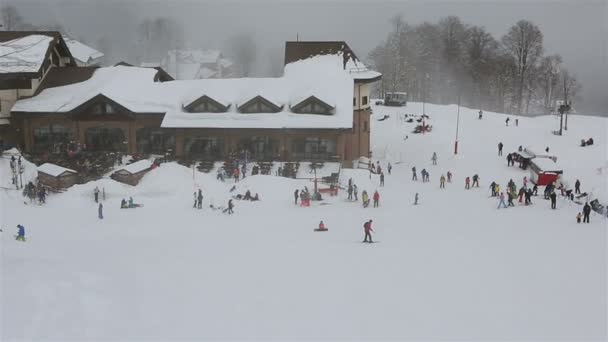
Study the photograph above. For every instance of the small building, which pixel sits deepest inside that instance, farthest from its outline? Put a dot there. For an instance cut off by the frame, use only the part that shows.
(132, 173)
(56, 177)
(84, 55)
(544, 171)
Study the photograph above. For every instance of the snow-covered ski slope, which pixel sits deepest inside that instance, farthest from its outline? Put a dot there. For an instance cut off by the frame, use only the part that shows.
(453, 267)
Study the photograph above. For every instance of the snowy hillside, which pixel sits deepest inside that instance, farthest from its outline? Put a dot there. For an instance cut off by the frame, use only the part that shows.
(452, 267)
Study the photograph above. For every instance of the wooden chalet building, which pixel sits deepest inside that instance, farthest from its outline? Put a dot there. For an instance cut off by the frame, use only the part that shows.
(318, 110)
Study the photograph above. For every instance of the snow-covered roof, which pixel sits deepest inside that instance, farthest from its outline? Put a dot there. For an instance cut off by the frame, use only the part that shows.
(546, 164)
(24, 54)
(136, 167)
(83, 53)
(54, 170)
(134, 88)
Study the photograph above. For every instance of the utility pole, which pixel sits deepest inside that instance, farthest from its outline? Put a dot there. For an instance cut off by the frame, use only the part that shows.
(457, 126)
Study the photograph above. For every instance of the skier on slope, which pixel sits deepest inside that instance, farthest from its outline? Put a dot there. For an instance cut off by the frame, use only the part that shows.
(100, 211)
(416, 199)
(367, 228)
(96, 194)
(414, 176)
(442, 182)
(389, 167)
(376, 199)
(230, 207)
(577, 187)
(449, 177)
(296, 195)
(475, 180)
(553, 197)
(365, 199)
(20, 234)
(467, 183)
(502, 201)
(199, 199)
(195, 201)
(355, 192)
(500, 145)
(493, 188)
(382, 179)
(434, 158)
(586, 212)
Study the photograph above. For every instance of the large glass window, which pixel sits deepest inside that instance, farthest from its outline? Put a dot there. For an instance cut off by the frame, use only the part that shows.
(49, 138)
(208, 148)
(313, 148)
(260, 148)
(154, 140)
(105, 139)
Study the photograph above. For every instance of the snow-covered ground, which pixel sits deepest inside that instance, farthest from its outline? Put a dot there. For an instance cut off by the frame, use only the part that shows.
(453, 267)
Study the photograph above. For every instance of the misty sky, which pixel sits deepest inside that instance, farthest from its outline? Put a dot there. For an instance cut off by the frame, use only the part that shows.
(577, 29)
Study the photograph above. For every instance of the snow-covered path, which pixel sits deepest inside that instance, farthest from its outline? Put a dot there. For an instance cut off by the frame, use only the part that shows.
(453, 267)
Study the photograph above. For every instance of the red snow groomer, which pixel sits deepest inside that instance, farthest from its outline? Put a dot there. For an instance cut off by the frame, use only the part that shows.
(544, 171)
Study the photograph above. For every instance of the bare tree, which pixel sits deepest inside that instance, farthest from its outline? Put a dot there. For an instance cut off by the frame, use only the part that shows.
(550, 68)
(481, 49)
(524, 42)
(570, 87)
(11, 19)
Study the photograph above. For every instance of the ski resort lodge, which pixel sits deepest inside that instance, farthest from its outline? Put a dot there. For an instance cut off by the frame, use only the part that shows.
(318, 110)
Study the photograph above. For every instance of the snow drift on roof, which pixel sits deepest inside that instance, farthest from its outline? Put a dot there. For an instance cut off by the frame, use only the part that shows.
(546, 164)
(54, 170)
(135, 89)
(24, 54)
(136, 167)
(80, 51)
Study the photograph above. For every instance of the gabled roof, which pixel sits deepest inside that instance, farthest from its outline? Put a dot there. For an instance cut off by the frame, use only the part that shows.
(296, 106)
(100, 98)
(82, 52)
(54, 170)
(137, 167)
(259, 98)
(192, 104)
(23, 53)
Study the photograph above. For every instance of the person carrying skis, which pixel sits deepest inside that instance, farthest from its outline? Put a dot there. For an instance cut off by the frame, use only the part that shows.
(100, 211)
(502, 201)
(296, 195)
(577, 187)
(414, 176)
(367, 228)
(382, 179)
(376, 199)
(20, 234)
(467, 183)
(200, 199)
(449, 177)
(476, 180)
(434, 158)
(442, 182)
(500, 145)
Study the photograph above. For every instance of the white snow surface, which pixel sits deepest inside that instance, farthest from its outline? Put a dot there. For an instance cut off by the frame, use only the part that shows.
(136, 167)
(54, 170)
(134, 88)
(24, 54)
(451, 268)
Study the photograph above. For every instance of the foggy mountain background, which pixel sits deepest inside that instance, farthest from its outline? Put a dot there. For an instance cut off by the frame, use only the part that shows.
(577, 30)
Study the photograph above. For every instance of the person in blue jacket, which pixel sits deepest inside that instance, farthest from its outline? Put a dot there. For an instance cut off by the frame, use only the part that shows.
(21, 234)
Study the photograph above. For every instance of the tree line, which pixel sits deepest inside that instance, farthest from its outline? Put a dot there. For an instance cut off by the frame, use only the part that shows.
(450, 62)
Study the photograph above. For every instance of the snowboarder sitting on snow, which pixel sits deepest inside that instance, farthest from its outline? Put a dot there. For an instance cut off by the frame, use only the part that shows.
(247, 195)
(367, 227)
(256, 197)
(321, 228)
(20, 234)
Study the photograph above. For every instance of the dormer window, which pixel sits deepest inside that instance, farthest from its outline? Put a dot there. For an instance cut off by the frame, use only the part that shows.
(312, 105)
(259, 104)
(206, 104)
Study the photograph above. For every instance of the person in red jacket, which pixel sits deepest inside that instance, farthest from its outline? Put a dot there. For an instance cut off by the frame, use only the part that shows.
(376, 199)
(368, 231)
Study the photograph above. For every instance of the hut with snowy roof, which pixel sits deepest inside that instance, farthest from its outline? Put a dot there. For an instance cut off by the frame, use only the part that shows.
(131, 174)
(56, 177)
